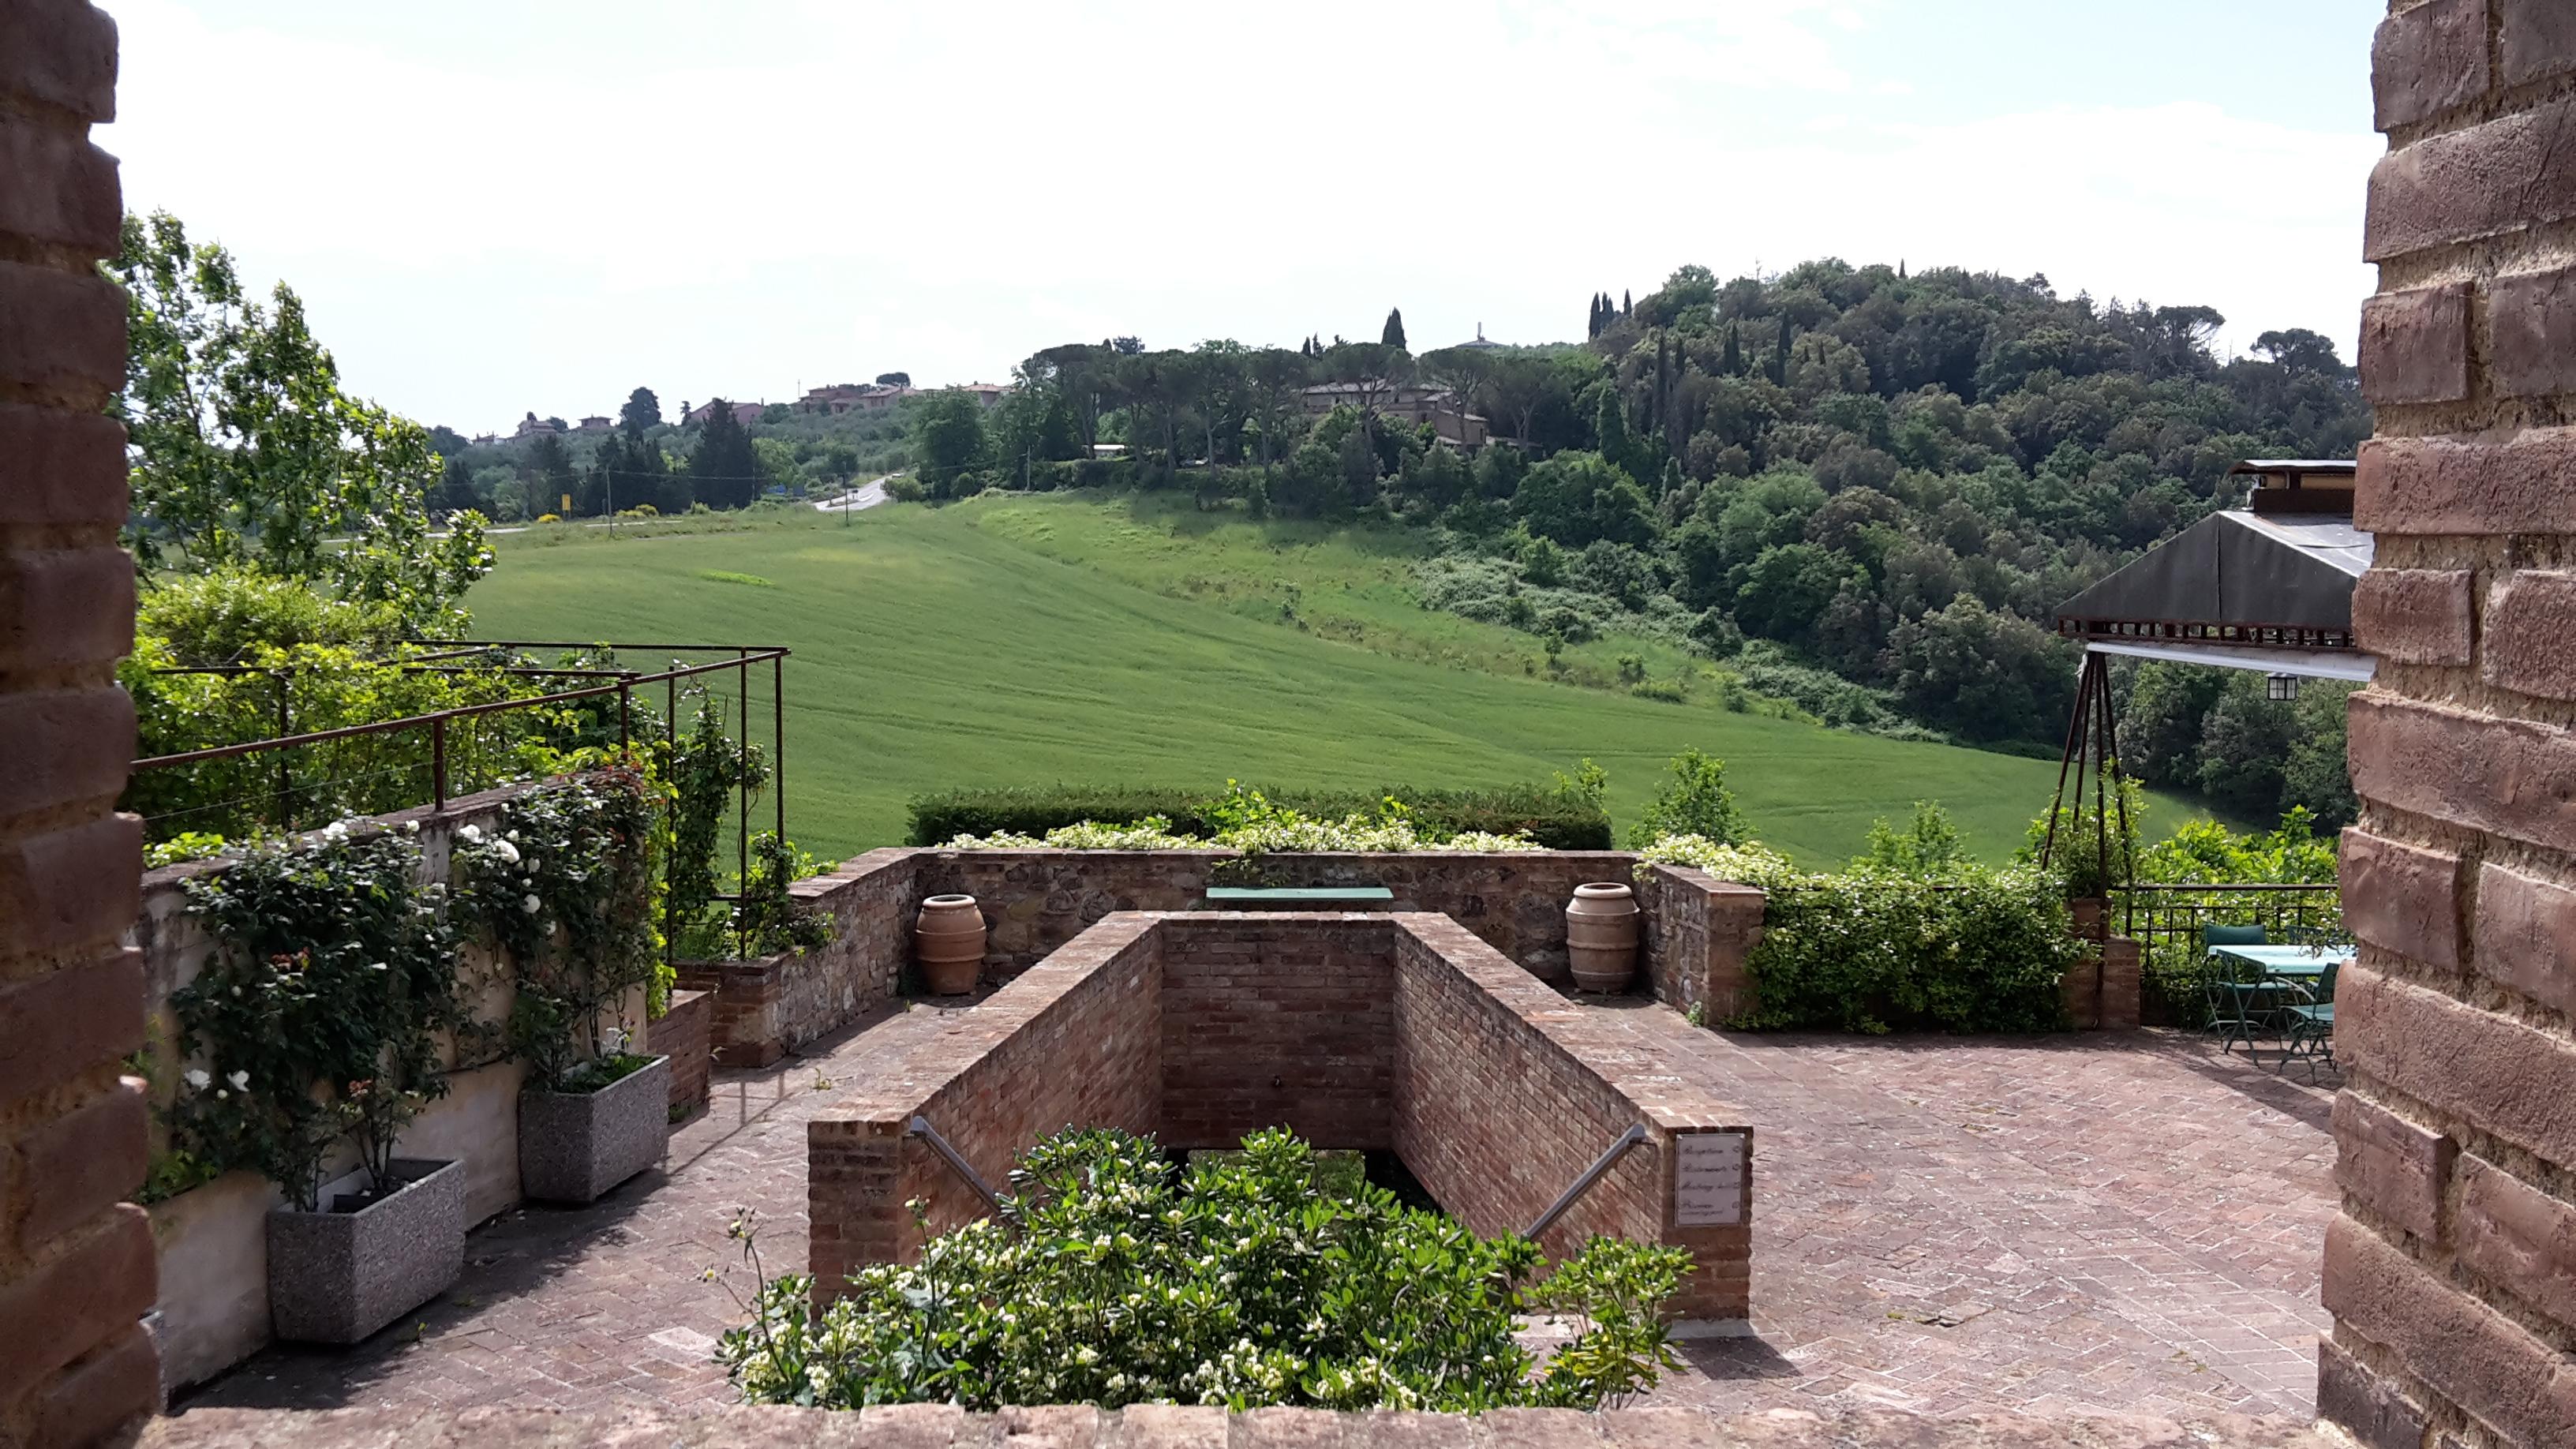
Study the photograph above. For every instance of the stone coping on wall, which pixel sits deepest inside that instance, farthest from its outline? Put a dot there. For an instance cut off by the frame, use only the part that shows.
(1170, 1426)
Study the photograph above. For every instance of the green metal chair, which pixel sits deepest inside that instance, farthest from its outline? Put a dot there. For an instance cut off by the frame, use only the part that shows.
(2240, 999)
(2308, 1025)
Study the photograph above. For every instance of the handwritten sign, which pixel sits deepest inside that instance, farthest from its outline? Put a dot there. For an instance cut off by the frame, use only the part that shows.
(1708, 1178)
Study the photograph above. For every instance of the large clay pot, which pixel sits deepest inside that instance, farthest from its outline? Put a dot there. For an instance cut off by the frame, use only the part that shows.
(1601, 936)
(948, 935)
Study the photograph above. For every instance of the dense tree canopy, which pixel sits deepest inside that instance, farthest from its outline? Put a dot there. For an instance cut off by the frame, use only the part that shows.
(247, 454)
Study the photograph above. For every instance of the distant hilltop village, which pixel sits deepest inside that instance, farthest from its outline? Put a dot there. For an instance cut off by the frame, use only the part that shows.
(839, 397)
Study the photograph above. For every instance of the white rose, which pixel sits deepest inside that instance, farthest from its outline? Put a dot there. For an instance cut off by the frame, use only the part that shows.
(471, 832)
(240, 1081)
(531, 905)
(198, 1078)
(507, 851)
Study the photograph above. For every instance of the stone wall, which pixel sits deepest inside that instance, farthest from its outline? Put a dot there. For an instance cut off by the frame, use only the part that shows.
(1036, 900)
(76, 1269)
(1699, 930)
(2451, 1273)
(767, 1007)
(1360, 1030)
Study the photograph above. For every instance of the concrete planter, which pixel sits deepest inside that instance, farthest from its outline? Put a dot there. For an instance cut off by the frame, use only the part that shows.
(574, 1146)
(338, 1277)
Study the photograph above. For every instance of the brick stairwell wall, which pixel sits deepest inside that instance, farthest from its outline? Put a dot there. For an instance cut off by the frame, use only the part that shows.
(1358, 1030)
(76, 1269)
(1505, 1092)
(1075, 1041)
(2451, 1273)
(1278, 1024)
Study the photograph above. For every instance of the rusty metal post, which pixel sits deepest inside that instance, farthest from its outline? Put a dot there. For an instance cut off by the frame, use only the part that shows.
(285, 784)
(742, 789)
(778, 738)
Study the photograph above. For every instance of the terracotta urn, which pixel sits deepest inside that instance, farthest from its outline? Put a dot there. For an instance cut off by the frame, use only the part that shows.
(948, 936)
(1601, 936)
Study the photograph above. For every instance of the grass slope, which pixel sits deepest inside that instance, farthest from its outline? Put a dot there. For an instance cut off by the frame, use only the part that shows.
(1029, 640)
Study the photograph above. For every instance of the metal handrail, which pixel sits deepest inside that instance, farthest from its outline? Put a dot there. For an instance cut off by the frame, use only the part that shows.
(1629, 1140)
(920, 1127)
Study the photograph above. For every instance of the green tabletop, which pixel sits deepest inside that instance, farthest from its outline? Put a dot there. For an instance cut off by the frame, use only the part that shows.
(1300, 893)
(2301, 961)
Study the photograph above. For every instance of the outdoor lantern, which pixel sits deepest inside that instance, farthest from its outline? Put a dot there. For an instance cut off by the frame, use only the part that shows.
(2281, 686)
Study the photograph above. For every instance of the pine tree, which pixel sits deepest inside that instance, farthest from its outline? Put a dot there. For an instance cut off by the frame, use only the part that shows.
(1393, 336)
(1733, 362)
(642, 410)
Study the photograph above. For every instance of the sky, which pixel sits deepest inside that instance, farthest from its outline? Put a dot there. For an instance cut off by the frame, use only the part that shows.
(498, 206)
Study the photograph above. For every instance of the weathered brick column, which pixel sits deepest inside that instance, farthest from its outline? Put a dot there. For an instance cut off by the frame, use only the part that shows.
(2452, 1272)
(76, 1268)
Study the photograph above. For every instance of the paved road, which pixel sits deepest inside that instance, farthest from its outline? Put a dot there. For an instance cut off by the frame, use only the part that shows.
(868, 496)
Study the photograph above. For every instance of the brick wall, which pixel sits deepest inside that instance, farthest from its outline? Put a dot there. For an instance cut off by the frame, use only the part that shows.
(76, 1271)
(1270, 1023)
(2449, 1271)
(682, 1035)
(1505, 1092)
(1399, 1030)
(1076, 1040)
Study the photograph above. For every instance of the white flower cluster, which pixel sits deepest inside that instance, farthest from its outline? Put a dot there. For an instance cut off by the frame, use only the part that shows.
(1353, 833)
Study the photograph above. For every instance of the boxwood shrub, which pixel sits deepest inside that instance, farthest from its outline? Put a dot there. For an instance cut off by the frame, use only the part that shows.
(1551, 818)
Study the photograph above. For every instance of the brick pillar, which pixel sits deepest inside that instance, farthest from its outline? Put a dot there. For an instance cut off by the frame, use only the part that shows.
(2451, 1273)
(76, 1264)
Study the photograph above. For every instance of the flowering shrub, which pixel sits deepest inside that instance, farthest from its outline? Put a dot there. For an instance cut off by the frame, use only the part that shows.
(319, 1015)
(1246, 820)
(564, 887)
(1965, 949)
(1113, 1277)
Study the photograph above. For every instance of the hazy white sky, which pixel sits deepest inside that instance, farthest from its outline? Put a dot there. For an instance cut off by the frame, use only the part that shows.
(492, 206)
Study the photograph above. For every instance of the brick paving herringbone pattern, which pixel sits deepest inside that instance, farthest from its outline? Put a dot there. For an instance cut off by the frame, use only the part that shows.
(2104, 1222)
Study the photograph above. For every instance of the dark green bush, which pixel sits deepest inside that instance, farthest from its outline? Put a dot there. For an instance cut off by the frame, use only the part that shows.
(1957, 948)
(1552, 819)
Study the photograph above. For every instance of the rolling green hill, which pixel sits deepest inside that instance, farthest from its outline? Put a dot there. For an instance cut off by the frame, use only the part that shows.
(1035, 639)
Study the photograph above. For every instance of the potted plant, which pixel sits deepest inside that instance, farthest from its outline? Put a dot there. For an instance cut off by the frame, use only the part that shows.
(563, 887)
(316, 1028)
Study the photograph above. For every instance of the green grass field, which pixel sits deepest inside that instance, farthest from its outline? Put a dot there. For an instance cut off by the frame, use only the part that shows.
(1037, 639)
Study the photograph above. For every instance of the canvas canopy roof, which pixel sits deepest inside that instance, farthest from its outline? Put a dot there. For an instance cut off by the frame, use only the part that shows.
(2238, 589)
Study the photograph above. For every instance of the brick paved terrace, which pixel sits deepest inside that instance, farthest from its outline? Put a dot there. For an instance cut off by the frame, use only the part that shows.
(2109, 1223)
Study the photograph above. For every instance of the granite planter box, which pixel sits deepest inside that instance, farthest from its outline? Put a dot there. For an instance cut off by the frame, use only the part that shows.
(338, 1277)
(573, 1146)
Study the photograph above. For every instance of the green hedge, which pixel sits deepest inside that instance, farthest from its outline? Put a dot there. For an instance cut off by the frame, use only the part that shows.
(1963, 949)
(1980, 951)
(1550, 818)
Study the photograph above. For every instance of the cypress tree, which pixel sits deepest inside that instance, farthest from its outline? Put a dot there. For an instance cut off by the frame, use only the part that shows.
(1627, 303)
(1733, 362)
(1780, 361)
(1393, 336)
(1612, 426)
